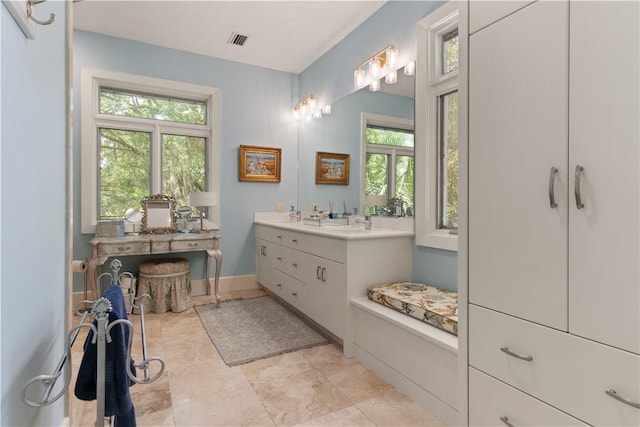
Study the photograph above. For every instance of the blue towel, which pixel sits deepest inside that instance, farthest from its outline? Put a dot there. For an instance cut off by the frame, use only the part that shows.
(117, 398)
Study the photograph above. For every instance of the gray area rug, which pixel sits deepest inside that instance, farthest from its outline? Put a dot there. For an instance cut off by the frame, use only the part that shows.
(245, 330)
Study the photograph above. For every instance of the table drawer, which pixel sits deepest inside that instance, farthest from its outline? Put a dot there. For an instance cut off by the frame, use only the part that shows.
(568, 372)
(192, 245)
(490, 401)
(130, 248)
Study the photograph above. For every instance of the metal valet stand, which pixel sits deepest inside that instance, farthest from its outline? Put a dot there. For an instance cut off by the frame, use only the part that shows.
(100, 310)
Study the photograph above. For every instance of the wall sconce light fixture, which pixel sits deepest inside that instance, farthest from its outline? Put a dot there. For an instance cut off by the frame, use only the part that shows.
(308, 109)
(382, 64)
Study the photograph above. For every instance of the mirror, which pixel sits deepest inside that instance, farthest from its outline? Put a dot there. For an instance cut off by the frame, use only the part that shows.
(158, 214)
(134, 216)
(341, 132)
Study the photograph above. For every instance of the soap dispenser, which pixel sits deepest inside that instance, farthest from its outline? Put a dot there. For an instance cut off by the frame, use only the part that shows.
(294, 215)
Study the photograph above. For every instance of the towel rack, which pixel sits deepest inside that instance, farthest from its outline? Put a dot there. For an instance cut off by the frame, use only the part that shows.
(100, 310)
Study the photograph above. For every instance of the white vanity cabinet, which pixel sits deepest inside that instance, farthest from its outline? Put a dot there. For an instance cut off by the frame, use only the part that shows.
(554, 212)
(319, 272)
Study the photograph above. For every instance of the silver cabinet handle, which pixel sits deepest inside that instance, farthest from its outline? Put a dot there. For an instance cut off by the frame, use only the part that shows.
(295, 294)
(294, 241)
(318, 273)
(124, 248)
(279, 285)
(192, 245)
(506, 421)
(279, 258)
(295, 264)
(516, 355)
(616, 396)
(579, 170)
(279, 237)
(552, 180)
(324, 270)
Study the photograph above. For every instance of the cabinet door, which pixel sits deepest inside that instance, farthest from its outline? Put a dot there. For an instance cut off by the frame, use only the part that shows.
(604, 296)
(518, 128)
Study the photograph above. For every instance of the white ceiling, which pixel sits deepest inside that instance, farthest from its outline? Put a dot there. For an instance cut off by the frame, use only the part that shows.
(282, 35)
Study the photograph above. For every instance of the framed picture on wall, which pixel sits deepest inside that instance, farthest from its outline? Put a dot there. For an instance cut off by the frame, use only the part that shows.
(259, 164)
(332, 168)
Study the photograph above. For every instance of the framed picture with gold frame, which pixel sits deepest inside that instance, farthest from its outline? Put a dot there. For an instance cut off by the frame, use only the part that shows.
(260, 164)
(332, 168)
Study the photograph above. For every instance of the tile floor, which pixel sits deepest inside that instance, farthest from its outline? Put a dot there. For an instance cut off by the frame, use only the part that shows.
(311, 387)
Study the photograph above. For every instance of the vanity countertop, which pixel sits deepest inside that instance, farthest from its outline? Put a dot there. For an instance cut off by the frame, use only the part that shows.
(344, 232)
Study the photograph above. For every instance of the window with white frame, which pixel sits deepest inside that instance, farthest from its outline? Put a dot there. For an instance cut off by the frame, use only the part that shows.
(437, 132)
(388, 144)
(143, 136)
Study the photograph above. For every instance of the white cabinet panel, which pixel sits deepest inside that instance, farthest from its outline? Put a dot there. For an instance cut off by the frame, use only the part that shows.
(483, 13)
(491, 401)
(518, 124)
(566, 371)
(604, 290)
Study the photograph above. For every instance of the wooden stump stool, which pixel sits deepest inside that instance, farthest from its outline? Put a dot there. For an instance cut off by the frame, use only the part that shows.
(168, 282)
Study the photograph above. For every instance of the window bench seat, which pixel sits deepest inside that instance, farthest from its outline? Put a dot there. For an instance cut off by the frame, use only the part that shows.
(417, 358)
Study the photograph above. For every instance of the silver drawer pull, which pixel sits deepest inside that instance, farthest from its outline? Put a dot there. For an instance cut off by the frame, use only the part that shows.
(279, 258)
(295, 294)
(578, 194)
(124, 248)
(192, 245)
(295, 264)
(324, 270)
(279, 237)
(506, 421)
(616, 396)
(318, 272)
(294, 241)
(552, 180)
(516, 355)
(279, 285)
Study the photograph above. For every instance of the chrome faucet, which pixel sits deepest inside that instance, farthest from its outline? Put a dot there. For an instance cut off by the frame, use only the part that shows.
(366, 221)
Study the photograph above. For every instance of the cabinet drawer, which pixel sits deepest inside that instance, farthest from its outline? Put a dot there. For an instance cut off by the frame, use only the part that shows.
(124, 248)
(325, 247)
(566, 371)
(192, 245)
(490, 400)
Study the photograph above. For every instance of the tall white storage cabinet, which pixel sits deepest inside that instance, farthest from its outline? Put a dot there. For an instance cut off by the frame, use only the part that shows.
(554, 214)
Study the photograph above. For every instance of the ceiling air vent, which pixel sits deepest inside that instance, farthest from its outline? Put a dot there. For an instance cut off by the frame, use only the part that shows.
(237, 39)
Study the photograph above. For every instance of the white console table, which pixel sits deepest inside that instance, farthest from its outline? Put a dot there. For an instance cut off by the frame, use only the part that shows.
(151, 244)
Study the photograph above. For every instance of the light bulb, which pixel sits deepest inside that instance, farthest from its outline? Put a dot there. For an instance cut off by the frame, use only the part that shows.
(391, 77)
(410, 68)
(296, 113)
(326, 109)
(374, 68)
(312, 103)
(374, 86)
(317, 115)
(358, 78)
(392, 58)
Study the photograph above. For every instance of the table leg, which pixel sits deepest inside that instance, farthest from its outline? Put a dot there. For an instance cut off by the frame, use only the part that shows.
(217, 254)
(95, 263)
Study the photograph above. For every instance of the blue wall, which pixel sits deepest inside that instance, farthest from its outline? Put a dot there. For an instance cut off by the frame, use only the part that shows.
(255, 110)
(32, 211)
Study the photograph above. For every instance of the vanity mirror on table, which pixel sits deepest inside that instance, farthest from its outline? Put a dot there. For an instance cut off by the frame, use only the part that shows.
(158, 214)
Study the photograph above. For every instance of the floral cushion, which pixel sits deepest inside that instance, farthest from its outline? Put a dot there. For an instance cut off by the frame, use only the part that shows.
(434, 306)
